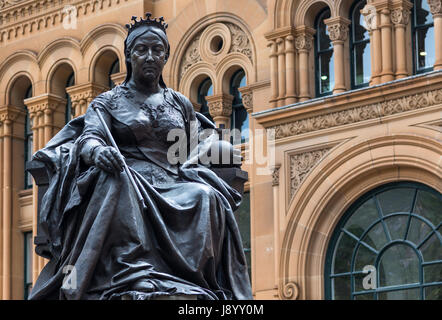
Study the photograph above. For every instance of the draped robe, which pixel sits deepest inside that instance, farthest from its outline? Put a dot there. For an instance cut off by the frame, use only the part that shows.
(187, 242)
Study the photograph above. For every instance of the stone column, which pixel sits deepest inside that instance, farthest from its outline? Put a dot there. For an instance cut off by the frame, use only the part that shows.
(276, 222)
(303, 43)
(290, 96)
(338, 33)
(387, 55)
(400, 17)
(8, 115)
(82, 95)
(281, 71)
(436, 10)
(371, 21)
(220, 108)
(273, 73)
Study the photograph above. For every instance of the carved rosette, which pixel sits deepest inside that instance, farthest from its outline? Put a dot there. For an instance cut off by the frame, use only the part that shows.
(435, 6)
(300, 166)
(362, 113)
(304, 42)
(400, 16)
(290, 291)
(220, 105)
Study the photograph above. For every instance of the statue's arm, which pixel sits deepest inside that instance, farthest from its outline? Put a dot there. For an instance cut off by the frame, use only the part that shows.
(93, 135)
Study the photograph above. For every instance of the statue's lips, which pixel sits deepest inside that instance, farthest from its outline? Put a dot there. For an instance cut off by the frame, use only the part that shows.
(150, 68)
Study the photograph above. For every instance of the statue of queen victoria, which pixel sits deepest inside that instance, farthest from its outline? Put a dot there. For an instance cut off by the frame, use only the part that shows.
(134, 222)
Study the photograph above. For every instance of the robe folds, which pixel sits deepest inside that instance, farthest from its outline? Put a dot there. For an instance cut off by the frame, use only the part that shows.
(187, 242)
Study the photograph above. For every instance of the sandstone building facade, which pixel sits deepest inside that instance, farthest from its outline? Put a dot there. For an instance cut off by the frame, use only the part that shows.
(339, 103)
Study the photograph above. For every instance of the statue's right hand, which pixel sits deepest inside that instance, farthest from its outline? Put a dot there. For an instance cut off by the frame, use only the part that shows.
(108, 159)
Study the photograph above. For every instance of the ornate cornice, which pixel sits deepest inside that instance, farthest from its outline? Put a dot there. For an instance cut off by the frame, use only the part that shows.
(358, 114)
(22, 18)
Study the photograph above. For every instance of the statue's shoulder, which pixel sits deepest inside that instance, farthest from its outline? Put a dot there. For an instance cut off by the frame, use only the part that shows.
(182, 99)
(109, 99)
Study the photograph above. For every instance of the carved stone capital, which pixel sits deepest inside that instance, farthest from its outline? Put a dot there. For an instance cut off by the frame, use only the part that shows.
(247, 98)
(82, 95)
(370, 17)
(37, 106)
(220, 105)
(400, 16)
(435, 6)
(303, 42)
(337, 28)
(9, 114)
(275, 175)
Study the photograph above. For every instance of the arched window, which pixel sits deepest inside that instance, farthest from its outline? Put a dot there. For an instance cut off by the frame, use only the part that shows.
(239, 119)
(388, 246)
(115, 67)
(423, 37)
(69, 111)
(325, 78)
(359, 48)
(29, 145)
(205, 89)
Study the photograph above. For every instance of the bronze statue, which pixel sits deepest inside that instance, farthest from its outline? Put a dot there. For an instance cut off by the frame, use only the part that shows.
(181, 238)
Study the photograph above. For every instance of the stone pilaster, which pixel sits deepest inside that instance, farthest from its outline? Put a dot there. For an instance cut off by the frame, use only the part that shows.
(220, 108)
(83, 94)
(436, 11)
(400, 17)
(303, 44)
(338, 33)
(371, 22)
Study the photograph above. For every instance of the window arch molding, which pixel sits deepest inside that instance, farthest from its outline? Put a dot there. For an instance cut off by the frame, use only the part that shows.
(327, 191)
(389, 231)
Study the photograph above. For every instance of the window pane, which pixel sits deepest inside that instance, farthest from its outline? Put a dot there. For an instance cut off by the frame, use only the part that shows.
(359, 31)
(376, 237)
(423, 14)
(324, 42)
(410, 294)
(364, 257)
(242, 216)
(397, 226)
(433, 293)
(432, 249)
(343, 254)
(396, 200)
(363, 217)
(368, 296)
(205, 89)
(399, 265)
(341, 288)
(425, 51)
(429, 206)
(326, 72)
(433, 273)
(418, 231)
(362, 67)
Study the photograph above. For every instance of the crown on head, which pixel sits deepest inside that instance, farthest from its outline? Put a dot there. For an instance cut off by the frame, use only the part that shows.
(157, 22)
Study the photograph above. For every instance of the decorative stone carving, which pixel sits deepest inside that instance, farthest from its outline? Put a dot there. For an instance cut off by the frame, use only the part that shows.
(370, 17)
(400, 16)
(357, 114)
(10, 113)
(275, 175)
(290, 291)
(191, 56)
(82, 95)
(220, 105)
(240, 41)
(338, 31)
(301, 164)
(247, 98)
(46, 103)
(304, 42)
(435, 6)
(7, 3)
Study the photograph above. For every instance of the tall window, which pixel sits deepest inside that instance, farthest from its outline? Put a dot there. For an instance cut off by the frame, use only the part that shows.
(242, 215)
(394, 233)
(360, 48)
(423, 37)
(239, 119)
(115, 67)
(69, 110)
(325, 78)
(29, 145)
(28, 264)
(205, 89)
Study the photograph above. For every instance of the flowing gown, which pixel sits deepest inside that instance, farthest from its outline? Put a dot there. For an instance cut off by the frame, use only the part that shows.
(187, 242)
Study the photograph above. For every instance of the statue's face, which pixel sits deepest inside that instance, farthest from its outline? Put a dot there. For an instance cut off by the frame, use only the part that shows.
(148, 57)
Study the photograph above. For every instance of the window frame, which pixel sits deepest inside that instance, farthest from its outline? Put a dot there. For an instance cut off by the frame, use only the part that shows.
(28, 135)
(202, 100)
(352, 46)
(414, 29)
(68, 108)
(237, 104)
(318, 53)
(332, 247)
